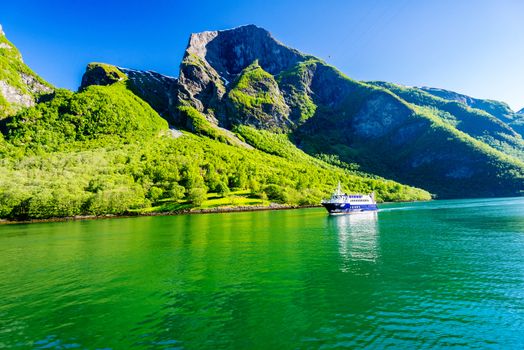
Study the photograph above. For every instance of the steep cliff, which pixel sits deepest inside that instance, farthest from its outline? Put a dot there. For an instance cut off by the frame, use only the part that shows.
(19, 86)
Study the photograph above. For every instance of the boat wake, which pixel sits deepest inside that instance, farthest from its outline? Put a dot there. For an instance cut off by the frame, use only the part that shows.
(454, 204)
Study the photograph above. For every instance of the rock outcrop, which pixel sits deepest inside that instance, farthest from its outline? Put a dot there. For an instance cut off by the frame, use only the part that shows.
(160, 91)
(101, 74)
(213, 63)
(19, 86)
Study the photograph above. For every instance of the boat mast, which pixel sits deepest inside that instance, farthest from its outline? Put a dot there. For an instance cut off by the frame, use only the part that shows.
(339, 190)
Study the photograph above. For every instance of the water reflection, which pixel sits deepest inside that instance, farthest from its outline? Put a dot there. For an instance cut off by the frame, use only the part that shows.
(357, 237)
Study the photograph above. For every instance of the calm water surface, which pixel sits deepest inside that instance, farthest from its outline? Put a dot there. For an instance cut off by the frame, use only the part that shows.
(423, 275)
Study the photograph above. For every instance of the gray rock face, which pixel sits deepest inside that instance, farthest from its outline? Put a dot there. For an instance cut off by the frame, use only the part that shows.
(214, 60)
(228, 52)
(15, 96)
(35, 86)
(18, 98)
(19, 86)
(379, 115)
(160, 91)
(203, 87)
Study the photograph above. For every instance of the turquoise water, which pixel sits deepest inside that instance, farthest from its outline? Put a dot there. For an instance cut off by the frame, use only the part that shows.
(415, 275)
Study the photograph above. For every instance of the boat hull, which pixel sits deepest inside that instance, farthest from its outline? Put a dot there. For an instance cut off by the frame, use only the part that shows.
(346, 208)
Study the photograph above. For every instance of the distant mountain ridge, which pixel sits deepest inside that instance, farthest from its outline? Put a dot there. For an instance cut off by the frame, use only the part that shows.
(498, 109)
(239, 83)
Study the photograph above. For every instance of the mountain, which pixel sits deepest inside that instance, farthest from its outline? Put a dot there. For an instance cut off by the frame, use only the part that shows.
(133, 141)
(19, 86)
(475, 122)
(247, 121)
(245, 77)
(498, 109)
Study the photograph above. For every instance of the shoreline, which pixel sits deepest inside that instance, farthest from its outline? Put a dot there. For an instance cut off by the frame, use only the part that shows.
(272, 206)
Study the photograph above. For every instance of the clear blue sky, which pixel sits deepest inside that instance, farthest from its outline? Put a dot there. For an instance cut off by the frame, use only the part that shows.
(472, 47)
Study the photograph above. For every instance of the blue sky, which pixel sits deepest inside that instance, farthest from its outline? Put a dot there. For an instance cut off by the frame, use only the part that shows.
(472, 47)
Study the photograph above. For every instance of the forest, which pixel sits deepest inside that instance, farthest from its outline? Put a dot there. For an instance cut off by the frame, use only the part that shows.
(105, 151)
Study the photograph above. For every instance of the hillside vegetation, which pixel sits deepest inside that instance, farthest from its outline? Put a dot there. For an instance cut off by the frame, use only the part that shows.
(249, 121)
(103, 150)
(19, 86)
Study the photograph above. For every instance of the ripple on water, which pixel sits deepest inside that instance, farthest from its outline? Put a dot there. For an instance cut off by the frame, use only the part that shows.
(415, 275)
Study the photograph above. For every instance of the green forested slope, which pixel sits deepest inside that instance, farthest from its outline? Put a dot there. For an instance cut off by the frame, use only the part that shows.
(140, 173)
(473, 121)
(101, 114)
(103, 150)
(386, 135)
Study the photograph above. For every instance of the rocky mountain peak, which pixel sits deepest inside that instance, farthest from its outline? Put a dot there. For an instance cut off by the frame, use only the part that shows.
(228, 52)
(101, 74)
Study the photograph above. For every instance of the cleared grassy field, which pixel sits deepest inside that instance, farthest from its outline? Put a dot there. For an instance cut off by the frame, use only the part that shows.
(214, 200)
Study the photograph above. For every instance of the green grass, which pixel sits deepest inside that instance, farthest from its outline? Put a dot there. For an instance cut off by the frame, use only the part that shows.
(110, 73)
(269, 142)
(236, 199)
(245, 91)
(193, 60)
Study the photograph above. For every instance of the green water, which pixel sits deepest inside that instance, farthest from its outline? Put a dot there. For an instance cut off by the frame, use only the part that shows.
(423, 275)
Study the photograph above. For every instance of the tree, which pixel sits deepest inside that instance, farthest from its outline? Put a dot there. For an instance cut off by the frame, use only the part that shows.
(176, 191)
(197, 196)
(155, 193)
(222, 189)
(275, 192)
